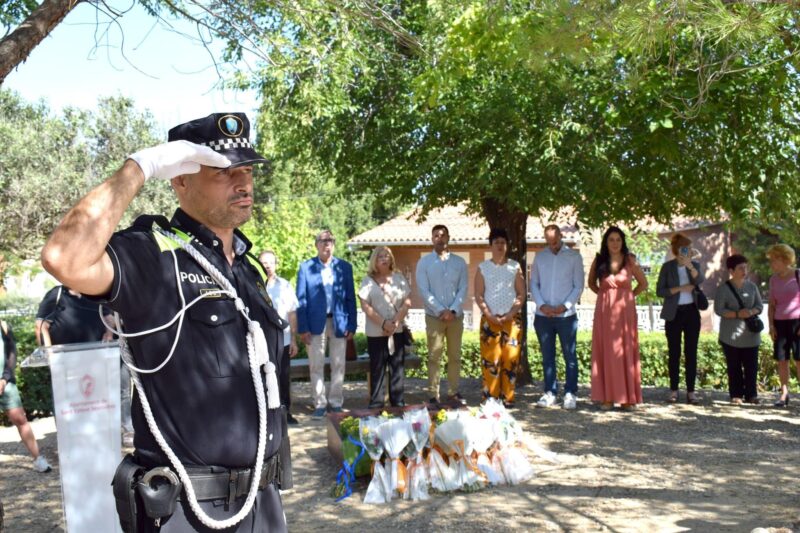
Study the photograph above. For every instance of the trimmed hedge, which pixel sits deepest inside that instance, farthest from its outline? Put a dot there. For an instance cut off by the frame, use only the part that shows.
(711, 369)
(36, 389)
(33, 383)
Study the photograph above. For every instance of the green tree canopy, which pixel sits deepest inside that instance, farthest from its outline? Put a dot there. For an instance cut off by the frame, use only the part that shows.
(618, 110)
(49, 161)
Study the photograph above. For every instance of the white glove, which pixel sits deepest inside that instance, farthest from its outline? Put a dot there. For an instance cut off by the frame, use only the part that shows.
(171, 159)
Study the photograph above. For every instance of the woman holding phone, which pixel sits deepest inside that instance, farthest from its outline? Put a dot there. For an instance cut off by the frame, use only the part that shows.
(677, 281)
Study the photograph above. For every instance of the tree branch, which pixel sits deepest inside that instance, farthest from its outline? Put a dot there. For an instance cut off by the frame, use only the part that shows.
(17, 45)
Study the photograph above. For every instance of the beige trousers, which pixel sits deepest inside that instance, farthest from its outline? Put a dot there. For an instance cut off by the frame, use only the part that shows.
(337, 347)
(437, 331)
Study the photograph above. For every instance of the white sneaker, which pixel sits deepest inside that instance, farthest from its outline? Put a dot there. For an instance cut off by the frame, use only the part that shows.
(570, 402)
(40, 464)
(548, 399)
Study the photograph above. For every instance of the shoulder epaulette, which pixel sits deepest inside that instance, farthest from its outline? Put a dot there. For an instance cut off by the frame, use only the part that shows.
(145, 224)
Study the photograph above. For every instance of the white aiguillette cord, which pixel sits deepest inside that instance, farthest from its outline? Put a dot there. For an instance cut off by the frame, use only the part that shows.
(258, 355)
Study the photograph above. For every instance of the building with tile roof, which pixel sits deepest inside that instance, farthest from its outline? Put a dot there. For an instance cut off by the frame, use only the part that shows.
(410, 239)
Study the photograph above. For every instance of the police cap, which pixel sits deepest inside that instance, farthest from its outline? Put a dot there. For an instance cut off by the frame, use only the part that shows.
(226, 133)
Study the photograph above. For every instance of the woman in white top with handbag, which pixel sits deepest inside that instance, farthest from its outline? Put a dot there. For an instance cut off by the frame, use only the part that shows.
(385, 300)
(500, 293)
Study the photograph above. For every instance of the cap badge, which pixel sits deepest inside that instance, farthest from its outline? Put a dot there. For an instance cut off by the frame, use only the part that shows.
(231, 125)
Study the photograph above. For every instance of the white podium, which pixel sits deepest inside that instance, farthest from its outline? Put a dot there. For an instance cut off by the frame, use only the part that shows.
(86, 389)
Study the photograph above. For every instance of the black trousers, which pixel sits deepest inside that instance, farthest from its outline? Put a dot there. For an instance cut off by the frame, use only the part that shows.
(742, 369)
(379, 359)
(284, 383)
(686, 324)
(267, 515)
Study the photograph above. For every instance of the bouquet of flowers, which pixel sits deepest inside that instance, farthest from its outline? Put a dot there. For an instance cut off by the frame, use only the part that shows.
(442, 476)
(378, 490)
(480, 439)
(420, 423)
(515, 466)
(395, 434)
(451, 436)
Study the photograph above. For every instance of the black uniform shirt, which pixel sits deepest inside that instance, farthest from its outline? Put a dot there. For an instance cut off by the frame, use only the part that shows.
(203, 400)
(72, 318)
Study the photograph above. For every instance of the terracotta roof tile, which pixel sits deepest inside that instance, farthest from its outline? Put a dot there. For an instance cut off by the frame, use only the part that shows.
(463, 229)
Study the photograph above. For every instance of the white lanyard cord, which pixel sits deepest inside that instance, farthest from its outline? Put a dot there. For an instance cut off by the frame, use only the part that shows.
(257, 355)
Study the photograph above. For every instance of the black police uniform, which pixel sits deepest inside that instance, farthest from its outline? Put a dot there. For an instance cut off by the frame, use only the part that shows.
(72, 318)
(203, 399)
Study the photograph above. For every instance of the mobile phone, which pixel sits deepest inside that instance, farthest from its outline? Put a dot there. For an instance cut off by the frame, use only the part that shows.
(684, 251)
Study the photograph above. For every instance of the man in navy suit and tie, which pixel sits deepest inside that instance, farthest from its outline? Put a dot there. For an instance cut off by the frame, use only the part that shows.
(326, 315)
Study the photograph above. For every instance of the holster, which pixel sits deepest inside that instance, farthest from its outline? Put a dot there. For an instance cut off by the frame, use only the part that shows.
(126, 497)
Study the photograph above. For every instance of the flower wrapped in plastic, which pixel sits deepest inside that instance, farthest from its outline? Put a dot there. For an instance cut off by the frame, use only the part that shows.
(442, 476)
(516, 466)
(504, 427)
(512, 460)
(480, 439)
(419, 422)
(378, 490)
(418, 479)
(395, 434)
(451, 436)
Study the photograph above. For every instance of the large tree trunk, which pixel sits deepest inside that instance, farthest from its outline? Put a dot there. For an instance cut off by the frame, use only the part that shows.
(498, 215)
(17, 45)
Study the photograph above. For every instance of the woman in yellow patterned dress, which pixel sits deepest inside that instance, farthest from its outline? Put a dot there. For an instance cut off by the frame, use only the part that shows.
(500, 293)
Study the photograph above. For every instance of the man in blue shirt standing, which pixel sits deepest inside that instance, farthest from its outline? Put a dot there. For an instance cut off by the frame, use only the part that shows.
(442, 283)
(326, 312)
(556, 286)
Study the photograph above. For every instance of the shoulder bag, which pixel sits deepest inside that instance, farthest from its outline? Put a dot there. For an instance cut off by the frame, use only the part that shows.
(752, 323)
(700, 298)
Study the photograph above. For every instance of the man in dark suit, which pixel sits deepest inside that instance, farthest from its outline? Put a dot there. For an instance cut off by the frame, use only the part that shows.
(326, 315)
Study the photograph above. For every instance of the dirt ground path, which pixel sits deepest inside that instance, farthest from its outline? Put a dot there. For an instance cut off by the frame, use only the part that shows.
(711, 467)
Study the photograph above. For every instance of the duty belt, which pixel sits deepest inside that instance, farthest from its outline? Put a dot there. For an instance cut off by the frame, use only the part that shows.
(219, 483)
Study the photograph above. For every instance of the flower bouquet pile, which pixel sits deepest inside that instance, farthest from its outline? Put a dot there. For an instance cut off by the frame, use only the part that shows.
(464, 450)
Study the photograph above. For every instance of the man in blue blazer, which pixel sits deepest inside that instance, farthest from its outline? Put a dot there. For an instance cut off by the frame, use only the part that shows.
(326, 315)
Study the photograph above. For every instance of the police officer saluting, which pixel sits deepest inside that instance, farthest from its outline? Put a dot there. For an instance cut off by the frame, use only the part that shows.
(198, 331)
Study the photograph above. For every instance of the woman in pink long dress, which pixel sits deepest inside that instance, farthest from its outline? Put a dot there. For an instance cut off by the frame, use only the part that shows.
(616, 374)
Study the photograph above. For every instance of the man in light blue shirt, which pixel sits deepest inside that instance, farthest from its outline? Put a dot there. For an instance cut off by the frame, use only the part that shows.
(442, 283)
(556, 285)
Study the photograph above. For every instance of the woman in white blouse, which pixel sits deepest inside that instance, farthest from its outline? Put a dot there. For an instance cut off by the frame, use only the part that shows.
(385, 300)
(500, 293)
